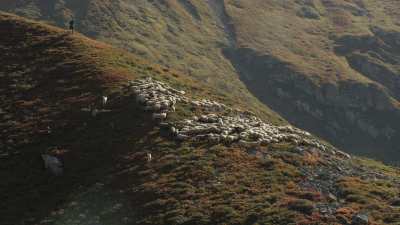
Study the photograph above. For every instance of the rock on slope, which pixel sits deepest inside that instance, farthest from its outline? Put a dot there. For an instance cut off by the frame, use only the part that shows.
(51, 79)
(328, 66)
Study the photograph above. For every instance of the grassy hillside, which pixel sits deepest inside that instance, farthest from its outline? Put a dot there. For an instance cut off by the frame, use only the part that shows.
(48, 76)
(328, 66)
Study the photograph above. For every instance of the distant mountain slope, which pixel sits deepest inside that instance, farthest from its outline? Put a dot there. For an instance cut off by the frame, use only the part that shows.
(50, 78)
(328, 66)
(335, 62)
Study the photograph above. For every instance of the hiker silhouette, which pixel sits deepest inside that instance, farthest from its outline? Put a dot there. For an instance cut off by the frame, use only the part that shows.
(71, 25)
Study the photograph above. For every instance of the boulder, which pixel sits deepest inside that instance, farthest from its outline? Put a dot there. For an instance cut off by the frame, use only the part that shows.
(331, 197)
(360, 219)
(52, 164)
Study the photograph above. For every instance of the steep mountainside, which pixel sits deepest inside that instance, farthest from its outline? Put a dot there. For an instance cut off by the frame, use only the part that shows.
(122, 166)
(335, 62)
(328, 66)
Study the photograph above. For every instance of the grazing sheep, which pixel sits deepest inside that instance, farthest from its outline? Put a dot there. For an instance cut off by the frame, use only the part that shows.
(265, 141)
(343, 154)
(136, 91)
(243, 126)
(157, 107)
(141, 98)
(203, 118)
(104, 100)
(164, 104)
(150, 103)
(214, 138)
(229, 139)
(149, 158)
(159, 116)
(173, 130)
(53, 164)
(182, 137)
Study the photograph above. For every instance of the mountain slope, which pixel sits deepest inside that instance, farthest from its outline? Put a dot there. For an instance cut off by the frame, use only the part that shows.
(328, 66)
(335, 61)
(50, 79)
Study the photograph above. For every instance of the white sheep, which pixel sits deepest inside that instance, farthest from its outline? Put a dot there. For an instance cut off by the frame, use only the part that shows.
(136, 91)
(182, 137)
(142, 98)
(265, 141)
(104, 100)
(159, 116)
(214, 138)
(231, 138)
(165, 104)
(149, 157)
(173, 130)
(156, 107)
(150, 103)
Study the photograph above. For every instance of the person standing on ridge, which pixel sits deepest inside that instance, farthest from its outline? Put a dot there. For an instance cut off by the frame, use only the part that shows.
(71, 26)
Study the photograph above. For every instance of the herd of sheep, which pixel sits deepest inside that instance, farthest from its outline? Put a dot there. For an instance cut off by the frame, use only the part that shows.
(156, 97)
(243, 129)
(240, 128)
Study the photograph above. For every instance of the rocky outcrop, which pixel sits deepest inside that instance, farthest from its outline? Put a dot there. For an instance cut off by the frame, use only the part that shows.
(190, 8)
(223, 20)
(374, 56)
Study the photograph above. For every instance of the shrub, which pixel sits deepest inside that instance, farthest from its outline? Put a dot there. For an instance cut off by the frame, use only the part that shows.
(223, 213)
(302, 205)
(356, 198)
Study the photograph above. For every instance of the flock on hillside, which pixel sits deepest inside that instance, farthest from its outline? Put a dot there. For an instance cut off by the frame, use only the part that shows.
(219, 124)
